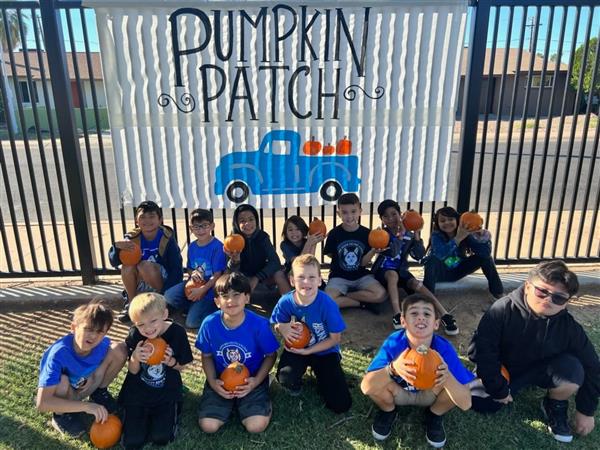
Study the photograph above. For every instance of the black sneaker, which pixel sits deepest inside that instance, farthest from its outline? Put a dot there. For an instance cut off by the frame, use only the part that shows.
(434, 429)
(103, 397)
(396, 322)
(450, 327)
(555, 412)
(382, 424)
(69, 424)
(373, 307)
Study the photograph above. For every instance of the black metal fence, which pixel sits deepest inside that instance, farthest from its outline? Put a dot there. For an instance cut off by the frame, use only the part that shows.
(525, 151)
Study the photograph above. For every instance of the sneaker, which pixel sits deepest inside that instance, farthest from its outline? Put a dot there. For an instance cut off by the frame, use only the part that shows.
(103, 397)
(555, 412)
(434, 430)
(449, 323)
(382, 424)
(69, 424)
(396, 322)
(373, 307)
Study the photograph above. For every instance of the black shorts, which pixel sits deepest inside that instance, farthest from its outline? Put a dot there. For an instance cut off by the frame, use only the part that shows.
(256, 403)
(404, 278)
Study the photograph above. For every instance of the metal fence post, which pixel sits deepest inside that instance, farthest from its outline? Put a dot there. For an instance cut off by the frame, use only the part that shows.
(63, 101)
(470, 108)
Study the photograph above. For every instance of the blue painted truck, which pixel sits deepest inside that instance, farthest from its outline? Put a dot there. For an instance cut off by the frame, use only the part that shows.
(279, 167)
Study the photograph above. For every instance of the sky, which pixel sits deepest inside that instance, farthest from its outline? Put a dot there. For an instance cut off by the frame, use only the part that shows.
(519, 16)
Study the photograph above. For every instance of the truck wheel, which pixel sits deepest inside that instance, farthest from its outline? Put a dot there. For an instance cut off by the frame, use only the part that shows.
(238, 191)
(331, 191)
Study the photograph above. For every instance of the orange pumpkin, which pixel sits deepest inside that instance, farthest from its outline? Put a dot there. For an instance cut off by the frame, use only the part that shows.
(412, 220)
(107, 434)
(311, 147)
(317, 227)
(328, 149)
(234, 243)
(379, 239)
(505, 374)
(159, 345)
(471, 220)
(234, 375)
(131, 257)
(303, 340)
(344, 147)
(426, 362)
(191, 284)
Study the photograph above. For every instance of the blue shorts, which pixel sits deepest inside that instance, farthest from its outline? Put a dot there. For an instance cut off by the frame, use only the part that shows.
(256, 403)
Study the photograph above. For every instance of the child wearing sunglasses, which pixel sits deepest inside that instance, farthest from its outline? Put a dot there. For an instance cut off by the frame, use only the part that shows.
(532, 335)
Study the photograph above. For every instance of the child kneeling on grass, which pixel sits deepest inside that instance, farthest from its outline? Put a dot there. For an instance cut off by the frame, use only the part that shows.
(231, 335)
(152, 394)
(389, 377)
(79, 365)
(321, 314)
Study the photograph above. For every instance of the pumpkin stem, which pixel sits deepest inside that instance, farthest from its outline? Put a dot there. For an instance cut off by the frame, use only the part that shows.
(238, 368)
(422, 349)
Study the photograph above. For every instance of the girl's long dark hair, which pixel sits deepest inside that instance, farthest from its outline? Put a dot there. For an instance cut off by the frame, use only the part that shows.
(300, 224)
(446, 211)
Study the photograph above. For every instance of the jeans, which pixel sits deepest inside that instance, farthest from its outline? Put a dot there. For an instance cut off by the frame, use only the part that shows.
(436, 271)
(196, 311)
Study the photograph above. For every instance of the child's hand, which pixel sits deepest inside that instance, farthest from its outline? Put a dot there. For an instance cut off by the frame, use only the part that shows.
(290, 331)
(441, 375)
(98, 411)
(405, 368)
(245, 389)
(142, 352)
(314, 239)
(167, 360)
(198, 293)
(299, 351)
(380, 250)
(253, 283)
(482, 235)
(196, 276)
(234, 256)
(217, 386)
(125, 245)
(461, 233)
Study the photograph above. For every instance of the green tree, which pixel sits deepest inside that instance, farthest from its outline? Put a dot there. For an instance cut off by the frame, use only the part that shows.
(589, 67)
(13, 29)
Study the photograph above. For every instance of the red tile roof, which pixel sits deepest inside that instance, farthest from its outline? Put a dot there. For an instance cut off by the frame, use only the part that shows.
(35, 66)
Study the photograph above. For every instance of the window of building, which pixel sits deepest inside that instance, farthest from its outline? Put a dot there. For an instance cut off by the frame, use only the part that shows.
(536, 81)
(25, 94)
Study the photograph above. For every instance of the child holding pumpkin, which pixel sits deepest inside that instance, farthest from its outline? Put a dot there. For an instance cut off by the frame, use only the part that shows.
(258, 260)
(151, 394)
(456, 251)
(79, 365)
(406, 372)
(296, 240)
(157, 264)
(230, 336)
(350, 284)
(206, 263)
(391, 265)
(315, 310)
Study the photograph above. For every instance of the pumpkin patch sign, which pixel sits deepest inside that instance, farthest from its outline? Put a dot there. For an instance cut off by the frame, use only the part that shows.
(280, 104)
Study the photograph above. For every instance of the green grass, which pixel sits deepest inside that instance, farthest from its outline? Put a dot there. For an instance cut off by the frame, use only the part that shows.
(300, 422)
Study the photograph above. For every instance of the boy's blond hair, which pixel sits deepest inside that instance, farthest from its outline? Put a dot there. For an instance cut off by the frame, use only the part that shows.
(146, 303)
(305, 260)
(95, 314)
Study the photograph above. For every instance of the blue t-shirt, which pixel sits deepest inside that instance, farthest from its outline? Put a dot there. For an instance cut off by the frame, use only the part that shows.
(397, 342)
(322, 317)
(207, 259)
(150, 248)
(248, 344)
(60, 358)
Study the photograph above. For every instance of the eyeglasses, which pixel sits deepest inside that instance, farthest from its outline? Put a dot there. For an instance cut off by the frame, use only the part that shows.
(557, 299)
(201, 226)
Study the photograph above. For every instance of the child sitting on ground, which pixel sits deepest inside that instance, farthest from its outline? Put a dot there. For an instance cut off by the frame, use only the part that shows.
(161, 265)
(151, 394)
(350, 284)
(309, 306)
(296, 241)
(232, 335)
(389, 377)
(258, 260)
(391, 265)
(456, 252)
(79, 365)
(206, 263)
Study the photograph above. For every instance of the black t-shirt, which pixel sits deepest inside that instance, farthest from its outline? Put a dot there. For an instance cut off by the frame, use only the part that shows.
(159, 384)
(346, 249)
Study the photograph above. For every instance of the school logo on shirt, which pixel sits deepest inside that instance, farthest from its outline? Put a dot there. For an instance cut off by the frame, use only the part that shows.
(350, 253)
(153, 376)
(233, 352)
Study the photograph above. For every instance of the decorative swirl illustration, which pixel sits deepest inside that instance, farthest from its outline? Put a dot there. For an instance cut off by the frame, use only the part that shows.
(350, 92)
(186, 99)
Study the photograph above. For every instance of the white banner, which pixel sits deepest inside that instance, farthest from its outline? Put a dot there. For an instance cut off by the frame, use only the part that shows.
(280, 104)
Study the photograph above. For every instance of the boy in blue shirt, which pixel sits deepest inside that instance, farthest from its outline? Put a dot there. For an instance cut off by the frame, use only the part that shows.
(230, 335)
(322, 316)
(389, 377)
(79, 365)
(206, 263)
(161, 266)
